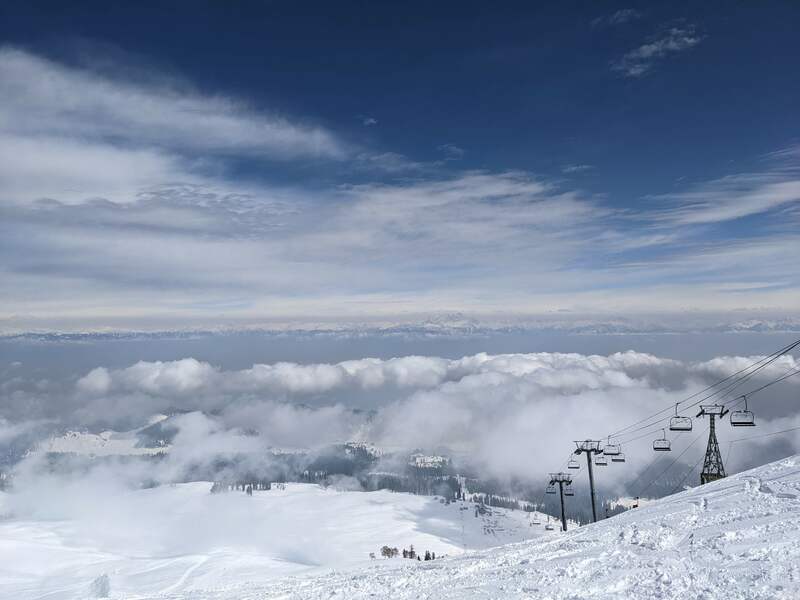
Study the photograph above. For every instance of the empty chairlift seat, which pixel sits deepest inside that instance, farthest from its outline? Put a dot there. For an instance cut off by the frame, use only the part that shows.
(618, 458)
(612, 449)
(662, 444)
(550, 489)
(679, 423)
(600, 461)
(573, 464)
(743, 418)
(569, 491)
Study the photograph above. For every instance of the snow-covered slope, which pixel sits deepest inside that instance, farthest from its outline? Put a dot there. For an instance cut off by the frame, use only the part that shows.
(178, 539)
(737, 538)
(105, 443)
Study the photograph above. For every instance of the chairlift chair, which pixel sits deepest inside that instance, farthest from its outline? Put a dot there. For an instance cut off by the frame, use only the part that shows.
(600, 461)
(619, 458)
(569, 492)
(662, 444)
(612, 449)
(743, 418)
(550, 489)
(679, 423)
(573, 464)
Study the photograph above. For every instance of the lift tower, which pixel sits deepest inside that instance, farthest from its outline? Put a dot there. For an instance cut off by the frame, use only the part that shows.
(561, 479)
(713, 468)
(589, 447)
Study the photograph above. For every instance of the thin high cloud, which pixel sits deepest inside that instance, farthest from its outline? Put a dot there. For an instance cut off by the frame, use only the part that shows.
(737, 196)
(641, 60)
(42, 98)
(134, 232)
(620, 17)
(377, 249)
(576, 168)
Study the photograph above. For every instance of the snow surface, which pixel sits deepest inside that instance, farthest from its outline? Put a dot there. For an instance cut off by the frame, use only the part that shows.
(737, 538)
(180, 539)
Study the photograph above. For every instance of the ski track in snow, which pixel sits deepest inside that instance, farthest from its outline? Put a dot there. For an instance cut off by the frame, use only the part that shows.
(737, 538)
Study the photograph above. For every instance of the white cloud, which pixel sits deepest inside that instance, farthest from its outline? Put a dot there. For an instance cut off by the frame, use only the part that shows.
(623, 15)
(44, 98)
(499, 410)
(451, 151)
(732, 197)
(639, 61)
(74, 171)
(131, 231)
(576, 168)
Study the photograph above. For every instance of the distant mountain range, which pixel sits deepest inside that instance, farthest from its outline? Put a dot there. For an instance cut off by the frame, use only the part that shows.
(449, 326)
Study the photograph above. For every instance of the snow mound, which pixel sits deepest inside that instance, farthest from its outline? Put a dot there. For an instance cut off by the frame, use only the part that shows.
(735, 538)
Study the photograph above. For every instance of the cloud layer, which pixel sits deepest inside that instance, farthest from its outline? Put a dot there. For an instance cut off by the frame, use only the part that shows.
(498, 411)
(119, 196)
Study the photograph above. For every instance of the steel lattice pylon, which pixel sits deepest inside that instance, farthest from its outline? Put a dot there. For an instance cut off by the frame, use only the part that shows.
(713, 468)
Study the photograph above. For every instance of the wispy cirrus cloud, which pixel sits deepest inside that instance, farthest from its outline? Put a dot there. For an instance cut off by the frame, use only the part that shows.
(640, 60)
(132, 230)
(45, 98)
(576, 168)
(624, 15)
(451, 151)
(737, 196)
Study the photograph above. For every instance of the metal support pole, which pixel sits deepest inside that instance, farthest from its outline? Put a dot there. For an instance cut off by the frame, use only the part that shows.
(591, 486)
(563, 515)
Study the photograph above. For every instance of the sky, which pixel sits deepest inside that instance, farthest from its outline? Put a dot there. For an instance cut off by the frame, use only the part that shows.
(204, 165)
(445, 226)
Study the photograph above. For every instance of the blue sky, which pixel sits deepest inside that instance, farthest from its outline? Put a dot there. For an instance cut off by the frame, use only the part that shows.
(205, 164)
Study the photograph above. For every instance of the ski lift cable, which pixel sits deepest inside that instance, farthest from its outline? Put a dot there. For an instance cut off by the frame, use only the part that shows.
(677, 458)
(689, 472)
(753, 437)
(727, 389)
(773, 356)
(728, 455)
(723, 392)
(654, 424)
(773, 382)
(734, 376)
(739, 401)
